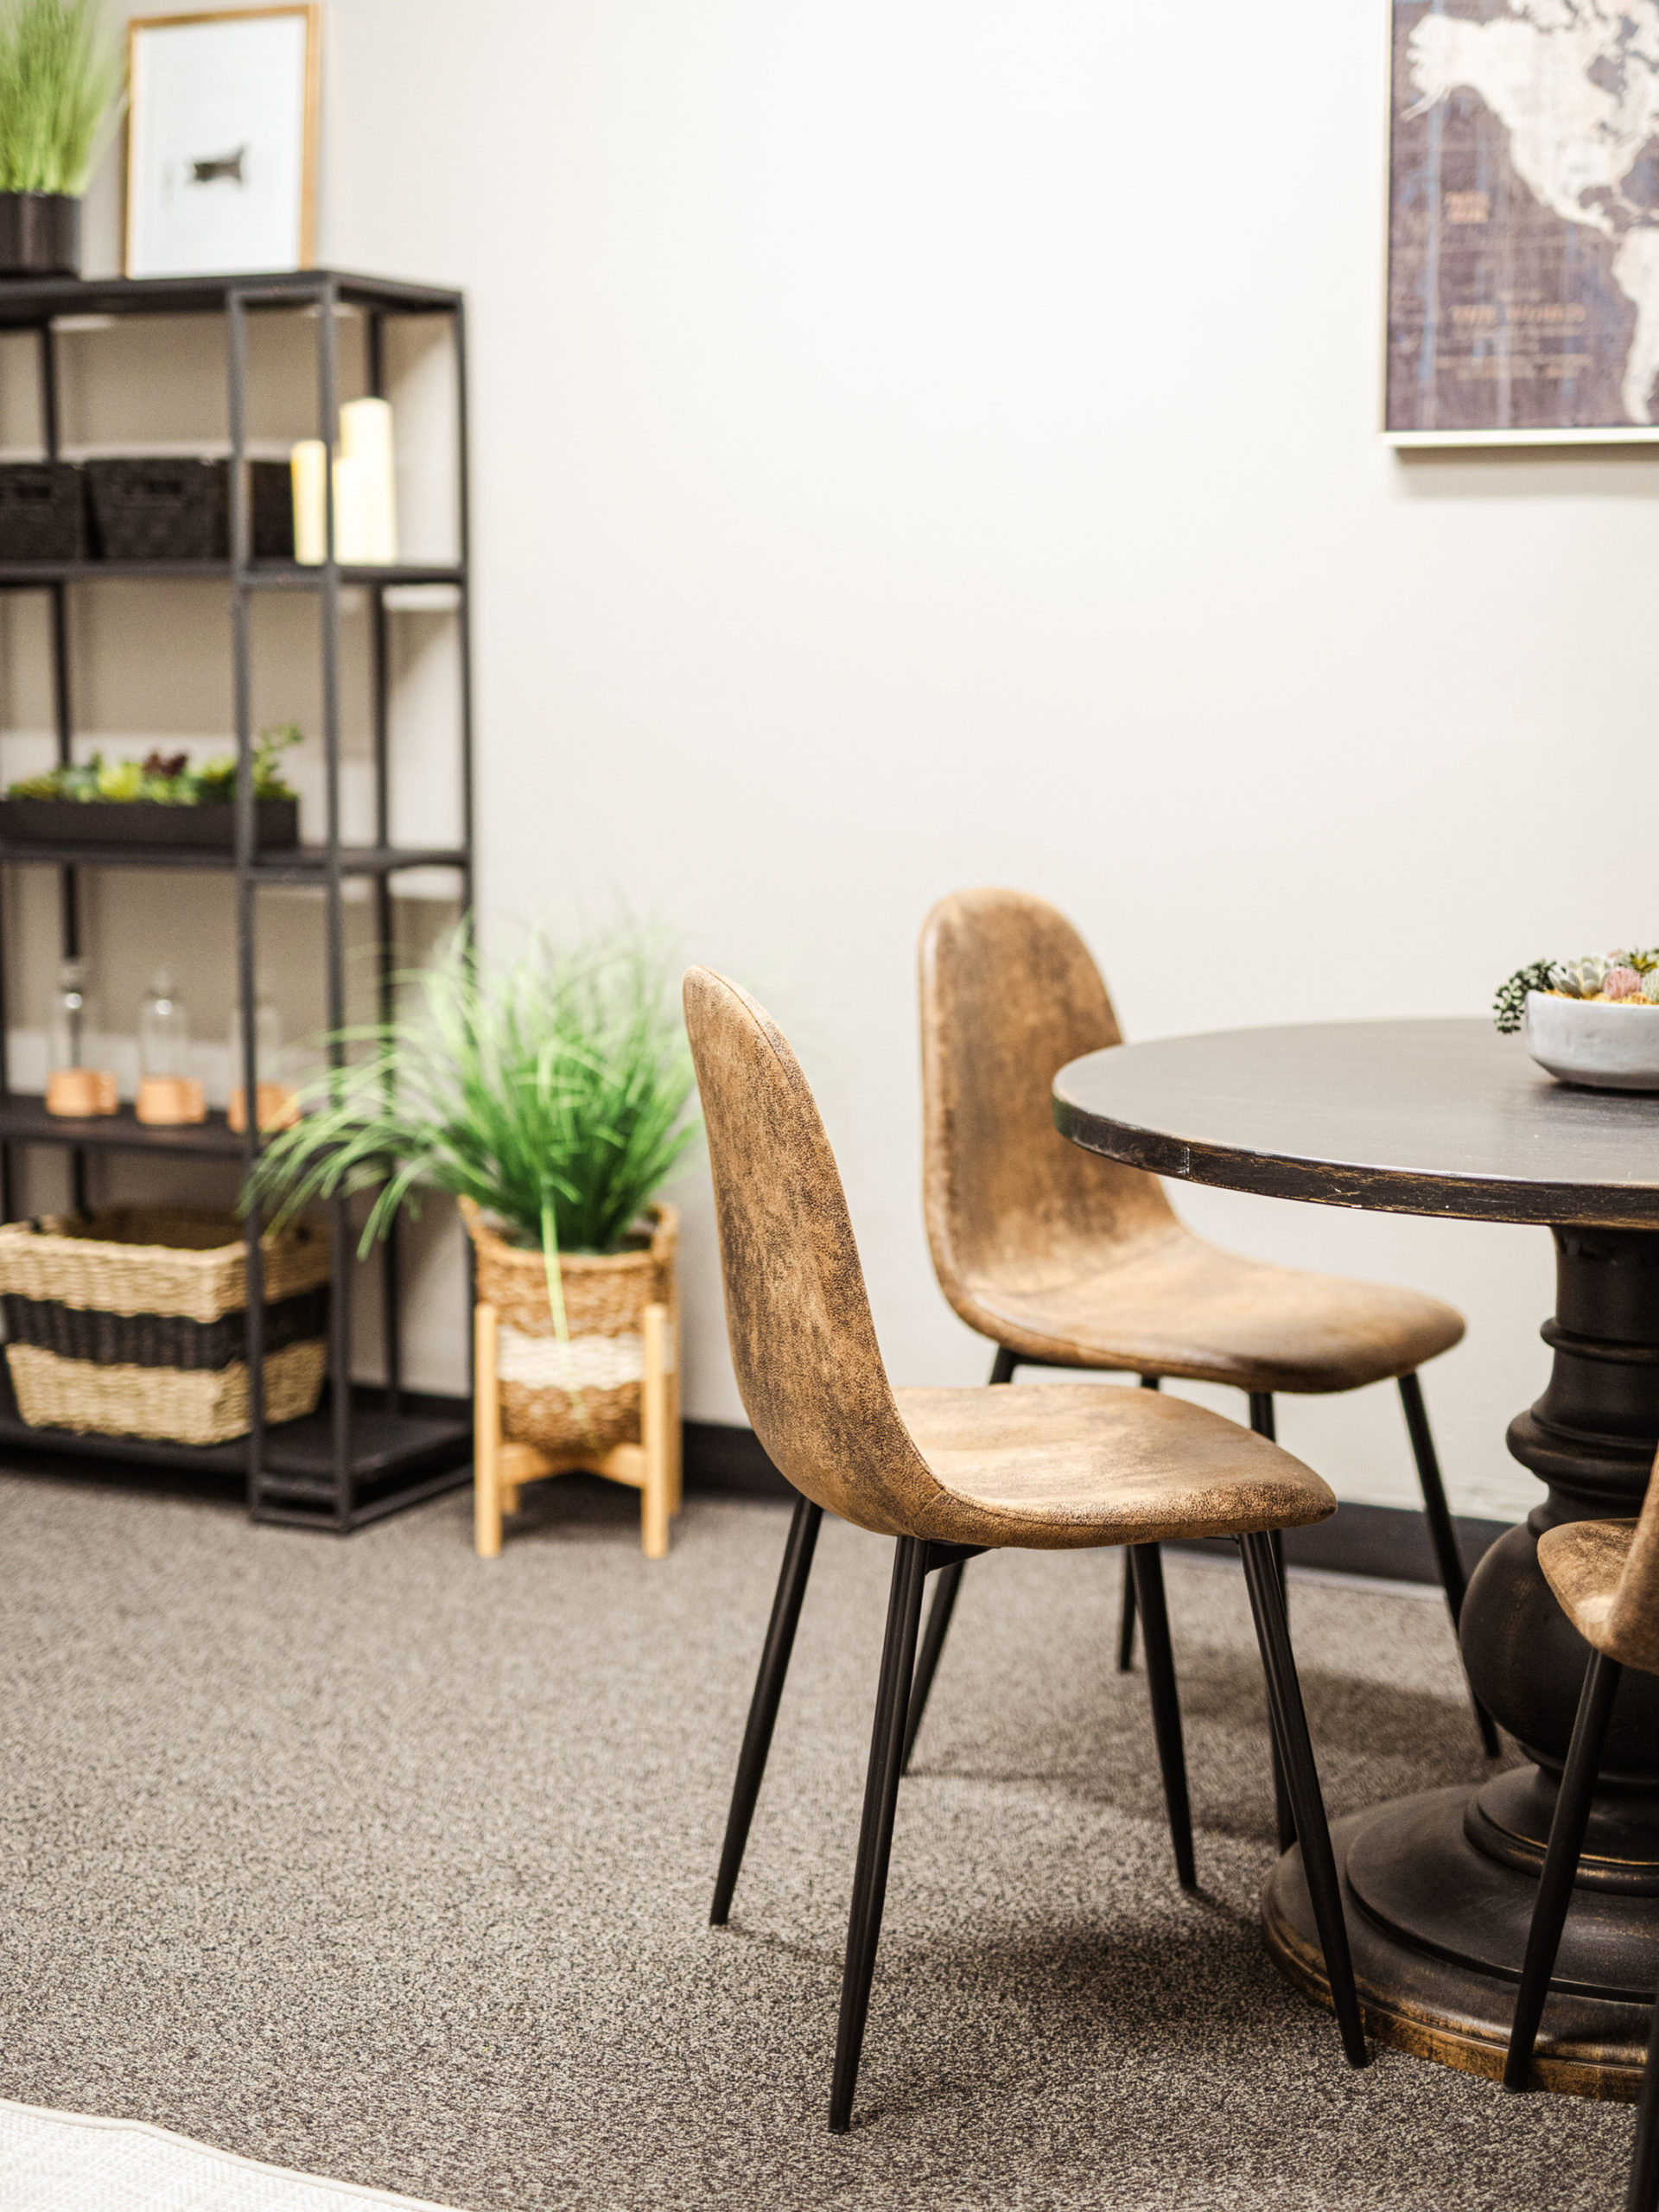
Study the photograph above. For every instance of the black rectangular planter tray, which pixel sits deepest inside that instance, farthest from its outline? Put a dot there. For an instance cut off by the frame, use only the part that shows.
(142, 822)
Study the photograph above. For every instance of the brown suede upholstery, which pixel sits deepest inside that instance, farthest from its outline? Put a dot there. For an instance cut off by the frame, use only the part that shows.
(1606, 1575)
(1071, 1259)
(1042, 1468)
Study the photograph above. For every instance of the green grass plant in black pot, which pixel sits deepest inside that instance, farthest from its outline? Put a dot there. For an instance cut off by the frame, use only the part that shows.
(547, 1091)
(60, 86)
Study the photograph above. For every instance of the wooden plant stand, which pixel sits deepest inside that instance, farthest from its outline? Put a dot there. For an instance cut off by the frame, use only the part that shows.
(501, 1468)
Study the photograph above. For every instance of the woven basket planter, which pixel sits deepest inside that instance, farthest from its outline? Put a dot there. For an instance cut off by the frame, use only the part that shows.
(605, 1299)
(133, 1322)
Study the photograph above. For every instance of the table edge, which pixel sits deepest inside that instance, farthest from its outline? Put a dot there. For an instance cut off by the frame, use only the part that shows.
(1384, 1190)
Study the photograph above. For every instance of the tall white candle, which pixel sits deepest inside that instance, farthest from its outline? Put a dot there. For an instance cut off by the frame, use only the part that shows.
(305, 464)
(352, 487)
(366, 437)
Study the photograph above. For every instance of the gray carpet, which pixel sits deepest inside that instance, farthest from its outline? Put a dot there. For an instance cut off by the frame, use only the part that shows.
(384, 1862)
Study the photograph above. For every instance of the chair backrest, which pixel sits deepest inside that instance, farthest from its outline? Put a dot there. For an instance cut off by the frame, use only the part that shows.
(1009, 994)
(1632, 1631)
(803, 1342)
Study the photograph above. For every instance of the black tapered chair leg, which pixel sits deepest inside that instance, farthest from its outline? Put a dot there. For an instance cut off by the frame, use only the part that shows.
(1642, 2195)
(1126, 1617)
(1146, 1563)
(875, 1830)
(1127, 1606)
(1560, 1862)
(763, 1705)
(1441, 1534)
(1284, 1818)
(1302, 1781)
(938, 1622)
(1265, 1422)
(944, 1602)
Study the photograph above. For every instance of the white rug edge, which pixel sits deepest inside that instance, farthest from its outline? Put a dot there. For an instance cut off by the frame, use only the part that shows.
(358, 2190)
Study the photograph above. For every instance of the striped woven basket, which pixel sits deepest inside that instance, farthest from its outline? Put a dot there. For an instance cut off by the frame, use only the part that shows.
(605, 1299)
(133, 1322)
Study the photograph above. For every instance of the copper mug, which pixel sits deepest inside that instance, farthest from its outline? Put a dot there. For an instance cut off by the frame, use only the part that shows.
(278, 1106)
(167, 1102)
(80, 1094)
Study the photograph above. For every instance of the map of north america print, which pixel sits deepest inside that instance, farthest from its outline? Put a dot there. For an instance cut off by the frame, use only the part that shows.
(1523, 249)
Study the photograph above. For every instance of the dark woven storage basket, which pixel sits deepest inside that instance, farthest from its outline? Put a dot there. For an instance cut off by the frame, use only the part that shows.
(133, 1322)
(270, 495)
(160, 509)
(42, 511)
(159, 1339)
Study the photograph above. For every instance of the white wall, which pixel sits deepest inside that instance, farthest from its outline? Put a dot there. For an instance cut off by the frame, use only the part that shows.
(923, 443)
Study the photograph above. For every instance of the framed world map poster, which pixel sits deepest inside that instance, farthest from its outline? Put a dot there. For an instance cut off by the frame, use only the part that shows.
(1523, 222)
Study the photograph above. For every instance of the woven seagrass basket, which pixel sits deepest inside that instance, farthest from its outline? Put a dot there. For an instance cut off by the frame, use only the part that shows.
(133, 1322)
(605, 1299)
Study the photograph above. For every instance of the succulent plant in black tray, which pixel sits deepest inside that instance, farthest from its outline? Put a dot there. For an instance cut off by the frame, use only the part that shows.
(160, 799)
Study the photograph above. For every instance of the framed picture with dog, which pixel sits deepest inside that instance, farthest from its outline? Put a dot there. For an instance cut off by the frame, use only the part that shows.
(222, 141)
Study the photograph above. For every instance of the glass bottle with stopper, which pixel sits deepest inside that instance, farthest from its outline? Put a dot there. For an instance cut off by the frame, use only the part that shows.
(168, 1093)
(276, 1099)
(74, 1086)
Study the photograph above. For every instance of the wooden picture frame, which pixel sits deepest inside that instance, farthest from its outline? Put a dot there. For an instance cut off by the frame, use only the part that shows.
(1523, 234)
(258, 68)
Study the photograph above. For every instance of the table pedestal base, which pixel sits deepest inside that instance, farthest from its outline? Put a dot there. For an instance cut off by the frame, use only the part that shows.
(1439, 1890)
(1439, 1930)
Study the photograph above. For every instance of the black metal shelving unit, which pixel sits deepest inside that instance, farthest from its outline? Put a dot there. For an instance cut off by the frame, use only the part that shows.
(369, 1449)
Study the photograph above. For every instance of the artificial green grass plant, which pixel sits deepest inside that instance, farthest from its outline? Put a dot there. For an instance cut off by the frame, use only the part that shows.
(550, 1088)
(60, 75)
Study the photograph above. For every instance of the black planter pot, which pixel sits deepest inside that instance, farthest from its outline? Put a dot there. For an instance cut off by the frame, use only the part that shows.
(40, 234)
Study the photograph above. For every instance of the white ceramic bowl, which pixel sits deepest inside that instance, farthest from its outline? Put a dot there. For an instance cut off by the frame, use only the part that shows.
(1610, 1048)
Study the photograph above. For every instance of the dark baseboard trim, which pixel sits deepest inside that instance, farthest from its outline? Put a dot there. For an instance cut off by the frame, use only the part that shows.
(1388, 1542)
(723, 1457)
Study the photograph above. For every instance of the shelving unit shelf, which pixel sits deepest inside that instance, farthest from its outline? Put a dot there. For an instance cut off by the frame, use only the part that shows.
(256, 575)
(276, 864)
(369, 1449)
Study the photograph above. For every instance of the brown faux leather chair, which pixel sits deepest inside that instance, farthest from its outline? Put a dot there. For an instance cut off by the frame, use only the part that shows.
(1605, 1577)
(1065, 1260)
(948, 1473)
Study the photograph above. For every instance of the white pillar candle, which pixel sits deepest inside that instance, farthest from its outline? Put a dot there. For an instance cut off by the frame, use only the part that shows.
(351, 512)
(366, 437)
(305, 464)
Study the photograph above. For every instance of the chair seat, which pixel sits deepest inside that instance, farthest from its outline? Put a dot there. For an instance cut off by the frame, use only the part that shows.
(1582, 1562)
(1179, 1307)
(1043, 1466)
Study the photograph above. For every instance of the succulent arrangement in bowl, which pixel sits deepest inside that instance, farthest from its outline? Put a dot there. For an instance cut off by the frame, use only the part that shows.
(1575, 1014)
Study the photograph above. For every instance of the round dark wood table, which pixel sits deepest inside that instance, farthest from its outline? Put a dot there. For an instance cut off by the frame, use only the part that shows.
(1449, 1118)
